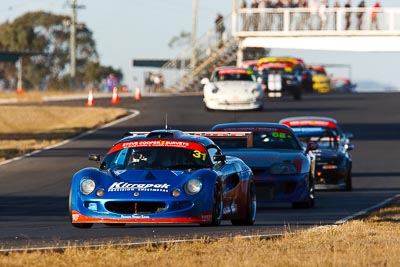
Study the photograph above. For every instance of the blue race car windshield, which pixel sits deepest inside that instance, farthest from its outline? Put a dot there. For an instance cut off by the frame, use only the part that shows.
(234, 75)
(263, 140)
(156, 158)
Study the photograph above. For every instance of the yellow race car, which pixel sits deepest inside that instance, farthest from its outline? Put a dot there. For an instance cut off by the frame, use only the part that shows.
(320, 79)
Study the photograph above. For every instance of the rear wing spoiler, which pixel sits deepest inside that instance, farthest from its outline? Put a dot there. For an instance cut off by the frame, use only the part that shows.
(227, 136)
(246, 137)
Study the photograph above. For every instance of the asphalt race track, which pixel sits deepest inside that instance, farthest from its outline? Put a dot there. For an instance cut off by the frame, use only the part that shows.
(34, 190)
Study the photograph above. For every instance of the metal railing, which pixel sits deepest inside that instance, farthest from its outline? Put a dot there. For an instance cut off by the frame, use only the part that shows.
(275, 22)
(321, 21)
(205, 46)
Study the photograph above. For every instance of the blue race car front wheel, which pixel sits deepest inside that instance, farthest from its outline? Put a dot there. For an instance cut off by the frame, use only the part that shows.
(217, 206)
(77, 225)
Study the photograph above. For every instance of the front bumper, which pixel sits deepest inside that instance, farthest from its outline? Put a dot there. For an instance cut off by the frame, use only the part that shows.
(282, 188)
(94, 210)
(330, 179)
(136, 218)
(322, 87)
(239, 104)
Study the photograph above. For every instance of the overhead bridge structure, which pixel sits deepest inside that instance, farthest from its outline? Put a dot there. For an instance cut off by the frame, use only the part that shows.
(329, 29)
(249, 29)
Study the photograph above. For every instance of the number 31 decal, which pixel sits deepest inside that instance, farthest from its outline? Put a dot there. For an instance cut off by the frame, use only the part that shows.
(198, 155)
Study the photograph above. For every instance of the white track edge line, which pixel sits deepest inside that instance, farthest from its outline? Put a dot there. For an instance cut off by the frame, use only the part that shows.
(368, 210)
(130, 116)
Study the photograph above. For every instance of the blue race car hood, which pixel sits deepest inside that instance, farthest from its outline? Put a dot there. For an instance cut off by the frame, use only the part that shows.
(147, 179)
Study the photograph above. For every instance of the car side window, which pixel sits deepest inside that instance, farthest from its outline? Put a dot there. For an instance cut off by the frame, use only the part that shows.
(212, 151)
(120, 159)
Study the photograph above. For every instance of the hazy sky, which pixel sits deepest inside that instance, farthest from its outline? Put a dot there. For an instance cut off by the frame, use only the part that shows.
(128, 29)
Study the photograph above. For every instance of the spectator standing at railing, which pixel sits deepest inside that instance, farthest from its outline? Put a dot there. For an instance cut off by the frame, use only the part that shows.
(220, 29)
(255, 17)
(266, 18)
(292, 3)
(245, 20)
(348, 14)
(270, 15)
(263, 26)
(293, 15)
(314, 20)
(374, 16)
(279, 15)
(322, 13)
(336, 5)
(360, 15)
(304, 16)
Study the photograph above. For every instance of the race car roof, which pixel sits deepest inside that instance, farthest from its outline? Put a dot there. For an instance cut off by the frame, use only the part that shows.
(280, 59)
(246, 137)
(309, 121)
(313, 131)
(235, 71)
(268, 65)
(249, 127)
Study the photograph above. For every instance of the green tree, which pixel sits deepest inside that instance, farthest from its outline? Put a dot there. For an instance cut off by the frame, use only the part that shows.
(45, 37)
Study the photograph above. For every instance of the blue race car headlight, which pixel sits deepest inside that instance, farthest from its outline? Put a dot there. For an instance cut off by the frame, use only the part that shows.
(283, 168)
(193, 186)
(87, 186)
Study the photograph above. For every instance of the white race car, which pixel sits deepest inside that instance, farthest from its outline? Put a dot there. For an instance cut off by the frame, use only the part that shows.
(232, 88)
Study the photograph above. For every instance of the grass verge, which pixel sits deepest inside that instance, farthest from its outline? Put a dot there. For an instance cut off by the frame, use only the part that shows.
(27, 128)
(374, 241)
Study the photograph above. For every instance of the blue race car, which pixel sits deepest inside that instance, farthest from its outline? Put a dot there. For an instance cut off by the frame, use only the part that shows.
(163, 176)
(333, 158)
(283, 169)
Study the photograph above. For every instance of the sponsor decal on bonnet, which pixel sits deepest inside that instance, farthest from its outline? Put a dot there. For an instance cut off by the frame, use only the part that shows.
(123, 186)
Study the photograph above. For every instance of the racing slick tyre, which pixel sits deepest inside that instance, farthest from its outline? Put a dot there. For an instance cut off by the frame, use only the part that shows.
(115, 224)
(251, 207)
(217, 207)
(310, 202)
(349, 183)
(82, 225)
(77, 225)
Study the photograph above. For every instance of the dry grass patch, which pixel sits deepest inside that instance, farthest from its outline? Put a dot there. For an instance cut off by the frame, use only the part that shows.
(370, 242)
(35, 96)
(27, 128)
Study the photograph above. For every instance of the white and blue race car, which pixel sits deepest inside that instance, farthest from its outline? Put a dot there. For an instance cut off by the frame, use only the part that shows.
(232, 88)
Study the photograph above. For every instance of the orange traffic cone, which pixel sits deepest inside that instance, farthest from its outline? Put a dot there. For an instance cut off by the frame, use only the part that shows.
(115, 98)
(90, 100)
(20, 91)
(138, 95)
